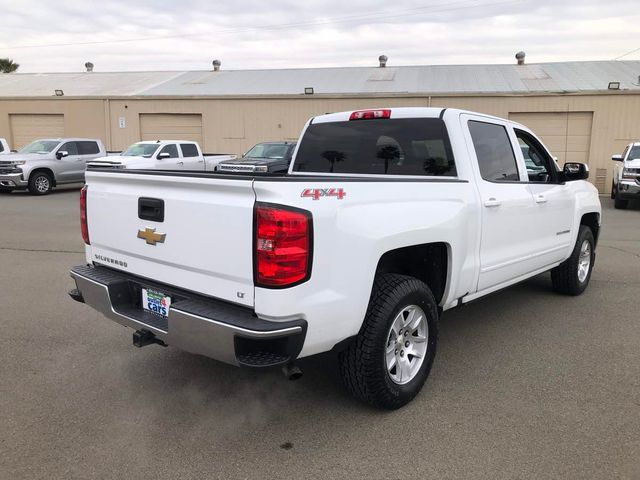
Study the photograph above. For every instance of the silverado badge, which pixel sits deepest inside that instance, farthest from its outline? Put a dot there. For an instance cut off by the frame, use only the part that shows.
(150, 236)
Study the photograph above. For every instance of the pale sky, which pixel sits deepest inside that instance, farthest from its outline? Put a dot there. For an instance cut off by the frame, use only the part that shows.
(118, 35)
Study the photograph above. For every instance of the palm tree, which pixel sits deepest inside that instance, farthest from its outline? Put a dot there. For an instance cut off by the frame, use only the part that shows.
(7, 65)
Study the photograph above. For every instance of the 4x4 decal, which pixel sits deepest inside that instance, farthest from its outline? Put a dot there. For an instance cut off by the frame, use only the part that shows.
(317, 193)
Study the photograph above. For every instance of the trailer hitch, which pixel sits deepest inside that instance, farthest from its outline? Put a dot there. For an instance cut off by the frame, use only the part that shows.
(142, 338)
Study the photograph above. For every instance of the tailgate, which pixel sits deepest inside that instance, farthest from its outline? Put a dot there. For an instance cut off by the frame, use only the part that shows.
(207, 228)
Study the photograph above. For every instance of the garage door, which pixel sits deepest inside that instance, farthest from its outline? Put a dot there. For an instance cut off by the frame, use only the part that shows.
(25, 128)
(171, 126)
(566, 134)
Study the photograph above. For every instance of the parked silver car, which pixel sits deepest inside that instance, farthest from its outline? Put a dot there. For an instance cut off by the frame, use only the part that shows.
(45, 163)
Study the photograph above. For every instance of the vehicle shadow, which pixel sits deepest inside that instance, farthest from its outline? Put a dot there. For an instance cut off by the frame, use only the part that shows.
(211, 389)
(75, 187)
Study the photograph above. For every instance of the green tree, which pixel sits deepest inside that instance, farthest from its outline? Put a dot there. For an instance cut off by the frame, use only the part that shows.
(7, 65)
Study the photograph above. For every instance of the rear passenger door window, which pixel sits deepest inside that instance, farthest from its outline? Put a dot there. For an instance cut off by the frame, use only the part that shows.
(494, 152)
(88, 148)
(189, 150)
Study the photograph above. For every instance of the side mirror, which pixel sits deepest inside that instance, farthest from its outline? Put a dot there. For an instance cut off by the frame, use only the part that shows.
(575, 171)
(163, 155)
(61, 154)
(617, 158)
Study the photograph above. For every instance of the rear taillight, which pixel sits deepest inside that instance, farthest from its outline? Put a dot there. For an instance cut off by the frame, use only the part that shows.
(84, 228)
(370, 114)
(283, 239)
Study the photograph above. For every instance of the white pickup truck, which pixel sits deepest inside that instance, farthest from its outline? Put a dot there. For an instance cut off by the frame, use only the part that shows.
(4, 147)
(385, 219)
(626, 177)
(163, 155)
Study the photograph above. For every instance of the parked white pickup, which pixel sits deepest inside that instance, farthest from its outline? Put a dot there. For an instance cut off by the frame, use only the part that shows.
(385, 219)
(163, 155)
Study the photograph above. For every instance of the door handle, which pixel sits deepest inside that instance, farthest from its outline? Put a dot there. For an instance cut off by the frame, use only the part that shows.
(180, 163)
(492, 202)
(541, 199)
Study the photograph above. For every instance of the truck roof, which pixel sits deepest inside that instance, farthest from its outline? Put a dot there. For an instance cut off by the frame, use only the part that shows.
(150, 142)
(401, 112)
(69, 139)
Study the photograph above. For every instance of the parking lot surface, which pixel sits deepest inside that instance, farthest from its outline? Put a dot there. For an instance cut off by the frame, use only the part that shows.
(526, 383)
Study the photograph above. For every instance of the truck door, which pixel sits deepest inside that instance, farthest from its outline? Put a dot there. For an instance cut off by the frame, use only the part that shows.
(508, 233)
(172, 161)
(87, 151)
(191, 157)
(555, 204)
(69, 168)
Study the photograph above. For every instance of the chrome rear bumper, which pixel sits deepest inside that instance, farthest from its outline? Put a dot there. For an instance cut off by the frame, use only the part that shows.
(196, 324)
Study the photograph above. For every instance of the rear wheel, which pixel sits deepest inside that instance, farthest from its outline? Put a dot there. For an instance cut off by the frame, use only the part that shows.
(572, 276)
(40, 183)
(391, 357)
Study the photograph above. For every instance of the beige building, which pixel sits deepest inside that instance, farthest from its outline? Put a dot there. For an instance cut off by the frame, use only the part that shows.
(583, 111)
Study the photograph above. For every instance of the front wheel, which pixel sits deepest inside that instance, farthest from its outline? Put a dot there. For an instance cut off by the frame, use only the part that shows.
(572, 276)
(391, 357)
(40, 183)
(619, 203)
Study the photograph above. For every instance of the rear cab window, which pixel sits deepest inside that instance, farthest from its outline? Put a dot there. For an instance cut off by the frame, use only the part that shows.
(494, 151)
(400, 146)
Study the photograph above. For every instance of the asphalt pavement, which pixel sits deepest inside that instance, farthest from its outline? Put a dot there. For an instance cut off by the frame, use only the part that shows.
(526, 383)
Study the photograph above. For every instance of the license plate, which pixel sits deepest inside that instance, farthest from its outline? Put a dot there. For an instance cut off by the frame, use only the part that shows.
(155, 302)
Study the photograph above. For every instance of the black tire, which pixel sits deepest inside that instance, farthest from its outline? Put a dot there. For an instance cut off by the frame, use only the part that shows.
(619, 203)
(564, 277)
(40, 183)
(613, 190)
(363, 365)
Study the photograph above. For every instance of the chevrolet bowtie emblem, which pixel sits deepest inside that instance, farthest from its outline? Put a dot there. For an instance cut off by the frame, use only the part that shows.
(150, 236)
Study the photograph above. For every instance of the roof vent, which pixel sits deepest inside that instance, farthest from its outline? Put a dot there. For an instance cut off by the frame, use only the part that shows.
(520, 57)
(216, 65)
(383, 61)
(89, 66)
